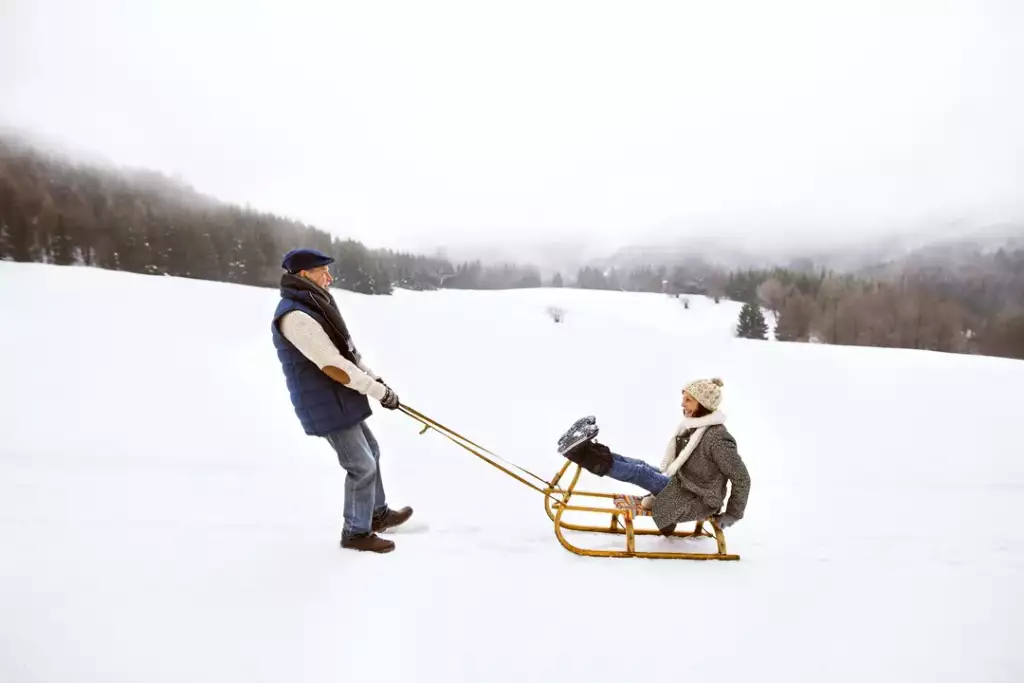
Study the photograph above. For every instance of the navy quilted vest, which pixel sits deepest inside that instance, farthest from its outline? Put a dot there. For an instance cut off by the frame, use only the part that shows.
(321, 404)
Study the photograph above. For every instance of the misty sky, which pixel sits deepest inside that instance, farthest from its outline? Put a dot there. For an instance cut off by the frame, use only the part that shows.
(402, 124)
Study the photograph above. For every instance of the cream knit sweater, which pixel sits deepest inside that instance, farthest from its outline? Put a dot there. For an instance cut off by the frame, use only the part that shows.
(313, 342)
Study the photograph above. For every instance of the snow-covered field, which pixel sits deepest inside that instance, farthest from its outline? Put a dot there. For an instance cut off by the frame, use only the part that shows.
(164, 519)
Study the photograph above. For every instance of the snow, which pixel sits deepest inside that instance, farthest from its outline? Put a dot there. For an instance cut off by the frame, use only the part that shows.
(163, 518)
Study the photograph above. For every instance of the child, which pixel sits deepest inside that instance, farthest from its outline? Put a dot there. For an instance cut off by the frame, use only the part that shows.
(699, 460)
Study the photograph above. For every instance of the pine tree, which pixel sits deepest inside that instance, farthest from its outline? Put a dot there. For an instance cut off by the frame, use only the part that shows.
(752, 324)
(21, 239)
(591, 278)
(62, 248)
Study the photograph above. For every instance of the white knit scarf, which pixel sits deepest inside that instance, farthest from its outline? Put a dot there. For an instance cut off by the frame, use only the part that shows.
(671, 462)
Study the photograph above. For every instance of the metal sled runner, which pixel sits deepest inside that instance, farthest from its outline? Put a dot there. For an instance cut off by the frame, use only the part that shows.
(624, 510)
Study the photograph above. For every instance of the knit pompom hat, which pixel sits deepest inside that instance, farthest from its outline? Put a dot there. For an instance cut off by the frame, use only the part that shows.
(708, 392)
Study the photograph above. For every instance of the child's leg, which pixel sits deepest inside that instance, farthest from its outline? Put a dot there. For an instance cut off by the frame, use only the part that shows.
(638, 472)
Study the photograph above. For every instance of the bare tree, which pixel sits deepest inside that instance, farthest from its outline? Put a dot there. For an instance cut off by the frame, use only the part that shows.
(772, 294)
(831, 292)
(557, 313)
(1005, 336)
(795, 318)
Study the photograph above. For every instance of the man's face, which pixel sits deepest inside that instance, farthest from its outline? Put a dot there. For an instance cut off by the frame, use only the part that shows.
(321, 276)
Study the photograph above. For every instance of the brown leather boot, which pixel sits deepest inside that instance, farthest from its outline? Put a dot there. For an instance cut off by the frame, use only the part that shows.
(371, 542)
(392, 518)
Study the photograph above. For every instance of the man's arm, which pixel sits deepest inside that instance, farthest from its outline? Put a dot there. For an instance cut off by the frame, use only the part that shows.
(366, 368)
(314, 343)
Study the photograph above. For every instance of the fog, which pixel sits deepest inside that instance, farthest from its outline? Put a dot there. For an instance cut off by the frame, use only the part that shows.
(412, 125)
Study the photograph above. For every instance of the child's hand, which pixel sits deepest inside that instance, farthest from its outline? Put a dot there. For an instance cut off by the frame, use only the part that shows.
(725, 521)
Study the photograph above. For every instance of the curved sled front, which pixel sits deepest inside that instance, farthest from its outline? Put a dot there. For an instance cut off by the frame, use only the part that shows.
(625, 509)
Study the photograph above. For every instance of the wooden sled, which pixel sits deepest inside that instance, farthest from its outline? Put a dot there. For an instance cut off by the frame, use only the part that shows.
(625, 509)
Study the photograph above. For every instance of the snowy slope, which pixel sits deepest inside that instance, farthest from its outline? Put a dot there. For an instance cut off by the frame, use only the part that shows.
(163, 518)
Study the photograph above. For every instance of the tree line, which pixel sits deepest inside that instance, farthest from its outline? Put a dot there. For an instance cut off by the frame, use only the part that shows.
(973, 303)
(54, 210)
(694, 276)
(980, 313)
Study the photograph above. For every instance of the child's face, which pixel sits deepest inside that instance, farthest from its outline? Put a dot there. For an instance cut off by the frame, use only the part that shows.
(690, 405)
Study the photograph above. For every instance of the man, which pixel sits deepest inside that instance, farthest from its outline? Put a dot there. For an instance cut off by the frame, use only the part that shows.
(329, 384)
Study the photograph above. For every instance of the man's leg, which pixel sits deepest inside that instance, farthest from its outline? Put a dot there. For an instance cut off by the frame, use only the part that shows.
(380, 503)
(383, 517)
(638, 472)
(356, 458)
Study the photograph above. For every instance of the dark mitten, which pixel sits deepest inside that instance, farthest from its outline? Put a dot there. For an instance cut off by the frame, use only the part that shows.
(725, 521)
(390, 400)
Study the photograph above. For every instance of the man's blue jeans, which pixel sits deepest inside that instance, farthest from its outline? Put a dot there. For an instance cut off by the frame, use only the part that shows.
(359, 454)
(638, 472)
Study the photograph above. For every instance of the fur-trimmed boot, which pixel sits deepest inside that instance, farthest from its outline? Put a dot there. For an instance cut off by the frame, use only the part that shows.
(594, 457)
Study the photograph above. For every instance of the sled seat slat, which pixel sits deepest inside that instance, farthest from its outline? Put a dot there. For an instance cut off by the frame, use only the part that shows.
(630, 504)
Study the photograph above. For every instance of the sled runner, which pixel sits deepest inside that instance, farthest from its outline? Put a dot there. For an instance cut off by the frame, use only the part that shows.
(624, 509)
(577, 445)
